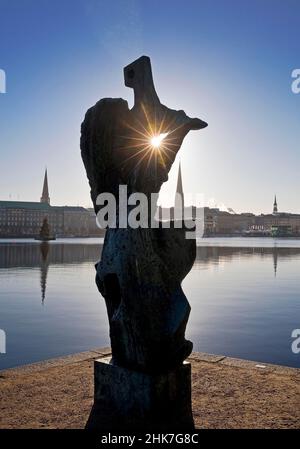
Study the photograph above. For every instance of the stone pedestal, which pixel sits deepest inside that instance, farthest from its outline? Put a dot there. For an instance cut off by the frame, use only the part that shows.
(132, 400)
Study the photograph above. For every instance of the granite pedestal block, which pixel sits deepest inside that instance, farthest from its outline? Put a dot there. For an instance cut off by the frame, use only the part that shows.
(132, 400)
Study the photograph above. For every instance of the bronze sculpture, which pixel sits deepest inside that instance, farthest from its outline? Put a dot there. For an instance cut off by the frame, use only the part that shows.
(141, 270)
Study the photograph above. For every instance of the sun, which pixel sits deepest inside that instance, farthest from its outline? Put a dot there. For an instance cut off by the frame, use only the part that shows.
(157, 140)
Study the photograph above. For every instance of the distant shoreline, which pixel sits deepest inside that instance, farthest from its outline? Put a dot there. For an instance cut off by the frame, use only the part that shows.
(212, 237)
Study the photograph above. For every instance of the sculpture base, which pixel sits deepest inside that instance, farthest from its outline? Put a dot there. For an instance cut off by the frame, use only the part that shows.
(132, 400)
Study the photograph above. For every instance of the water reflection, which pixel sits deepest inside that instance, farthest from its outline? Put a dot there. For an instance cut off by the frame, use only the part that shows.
(34, 255)
(275, 260)
(13, 255)
(210, 255)
(43, 255)
(44, 248)
(245, 300)
(49, 303)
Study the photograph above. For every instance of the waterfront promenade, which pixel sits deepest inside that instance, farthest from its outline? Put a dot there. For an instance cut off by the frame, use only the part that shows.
(227, 393)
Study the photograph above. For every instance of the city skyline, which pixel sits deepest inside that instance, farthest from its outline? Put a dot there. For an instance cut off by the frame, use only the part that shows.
(45, 198)
(238, 80)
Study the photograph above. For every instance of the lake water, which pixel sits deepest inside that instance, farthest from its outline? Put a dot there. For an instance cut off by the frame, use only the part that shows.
(244, 293)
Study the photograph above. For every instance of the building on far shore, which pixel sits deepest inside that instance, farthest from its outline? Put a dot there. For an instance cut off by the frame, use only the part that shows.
(228, 223)
(24, 218)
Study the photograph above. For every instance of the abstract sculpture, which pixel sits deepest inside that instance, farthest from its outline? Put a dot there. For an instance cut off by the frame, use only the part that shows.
(141, 270)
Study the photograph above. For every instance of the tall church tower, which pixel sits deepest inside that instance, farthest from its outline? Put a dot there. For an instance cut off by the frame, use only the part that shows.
(45, 194)
(179, 204)
(275, 208)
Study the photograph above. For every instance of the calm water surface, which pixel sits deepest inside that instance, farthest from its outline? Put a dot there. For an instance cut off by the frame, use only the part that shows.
(244, 293)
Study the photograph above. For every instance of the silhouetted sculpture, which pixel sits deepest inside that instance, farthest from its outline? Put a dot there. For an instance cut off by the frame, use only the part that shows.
(141, 270)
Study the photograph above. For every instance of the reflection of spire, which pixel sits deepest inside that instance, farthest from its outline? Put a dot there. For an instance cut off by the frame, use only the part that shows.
(275, 260)
(45, 194)
(44, 249)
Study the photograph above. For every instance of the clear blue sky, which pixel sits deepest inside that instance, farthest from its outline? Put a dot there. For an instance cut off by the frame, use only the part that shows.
(227, 62)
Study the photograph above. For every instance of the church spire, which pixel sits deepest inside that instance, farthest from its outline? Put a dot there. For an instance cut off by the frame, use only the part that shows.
(275, 208)
(45, 194)
(179, 197)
